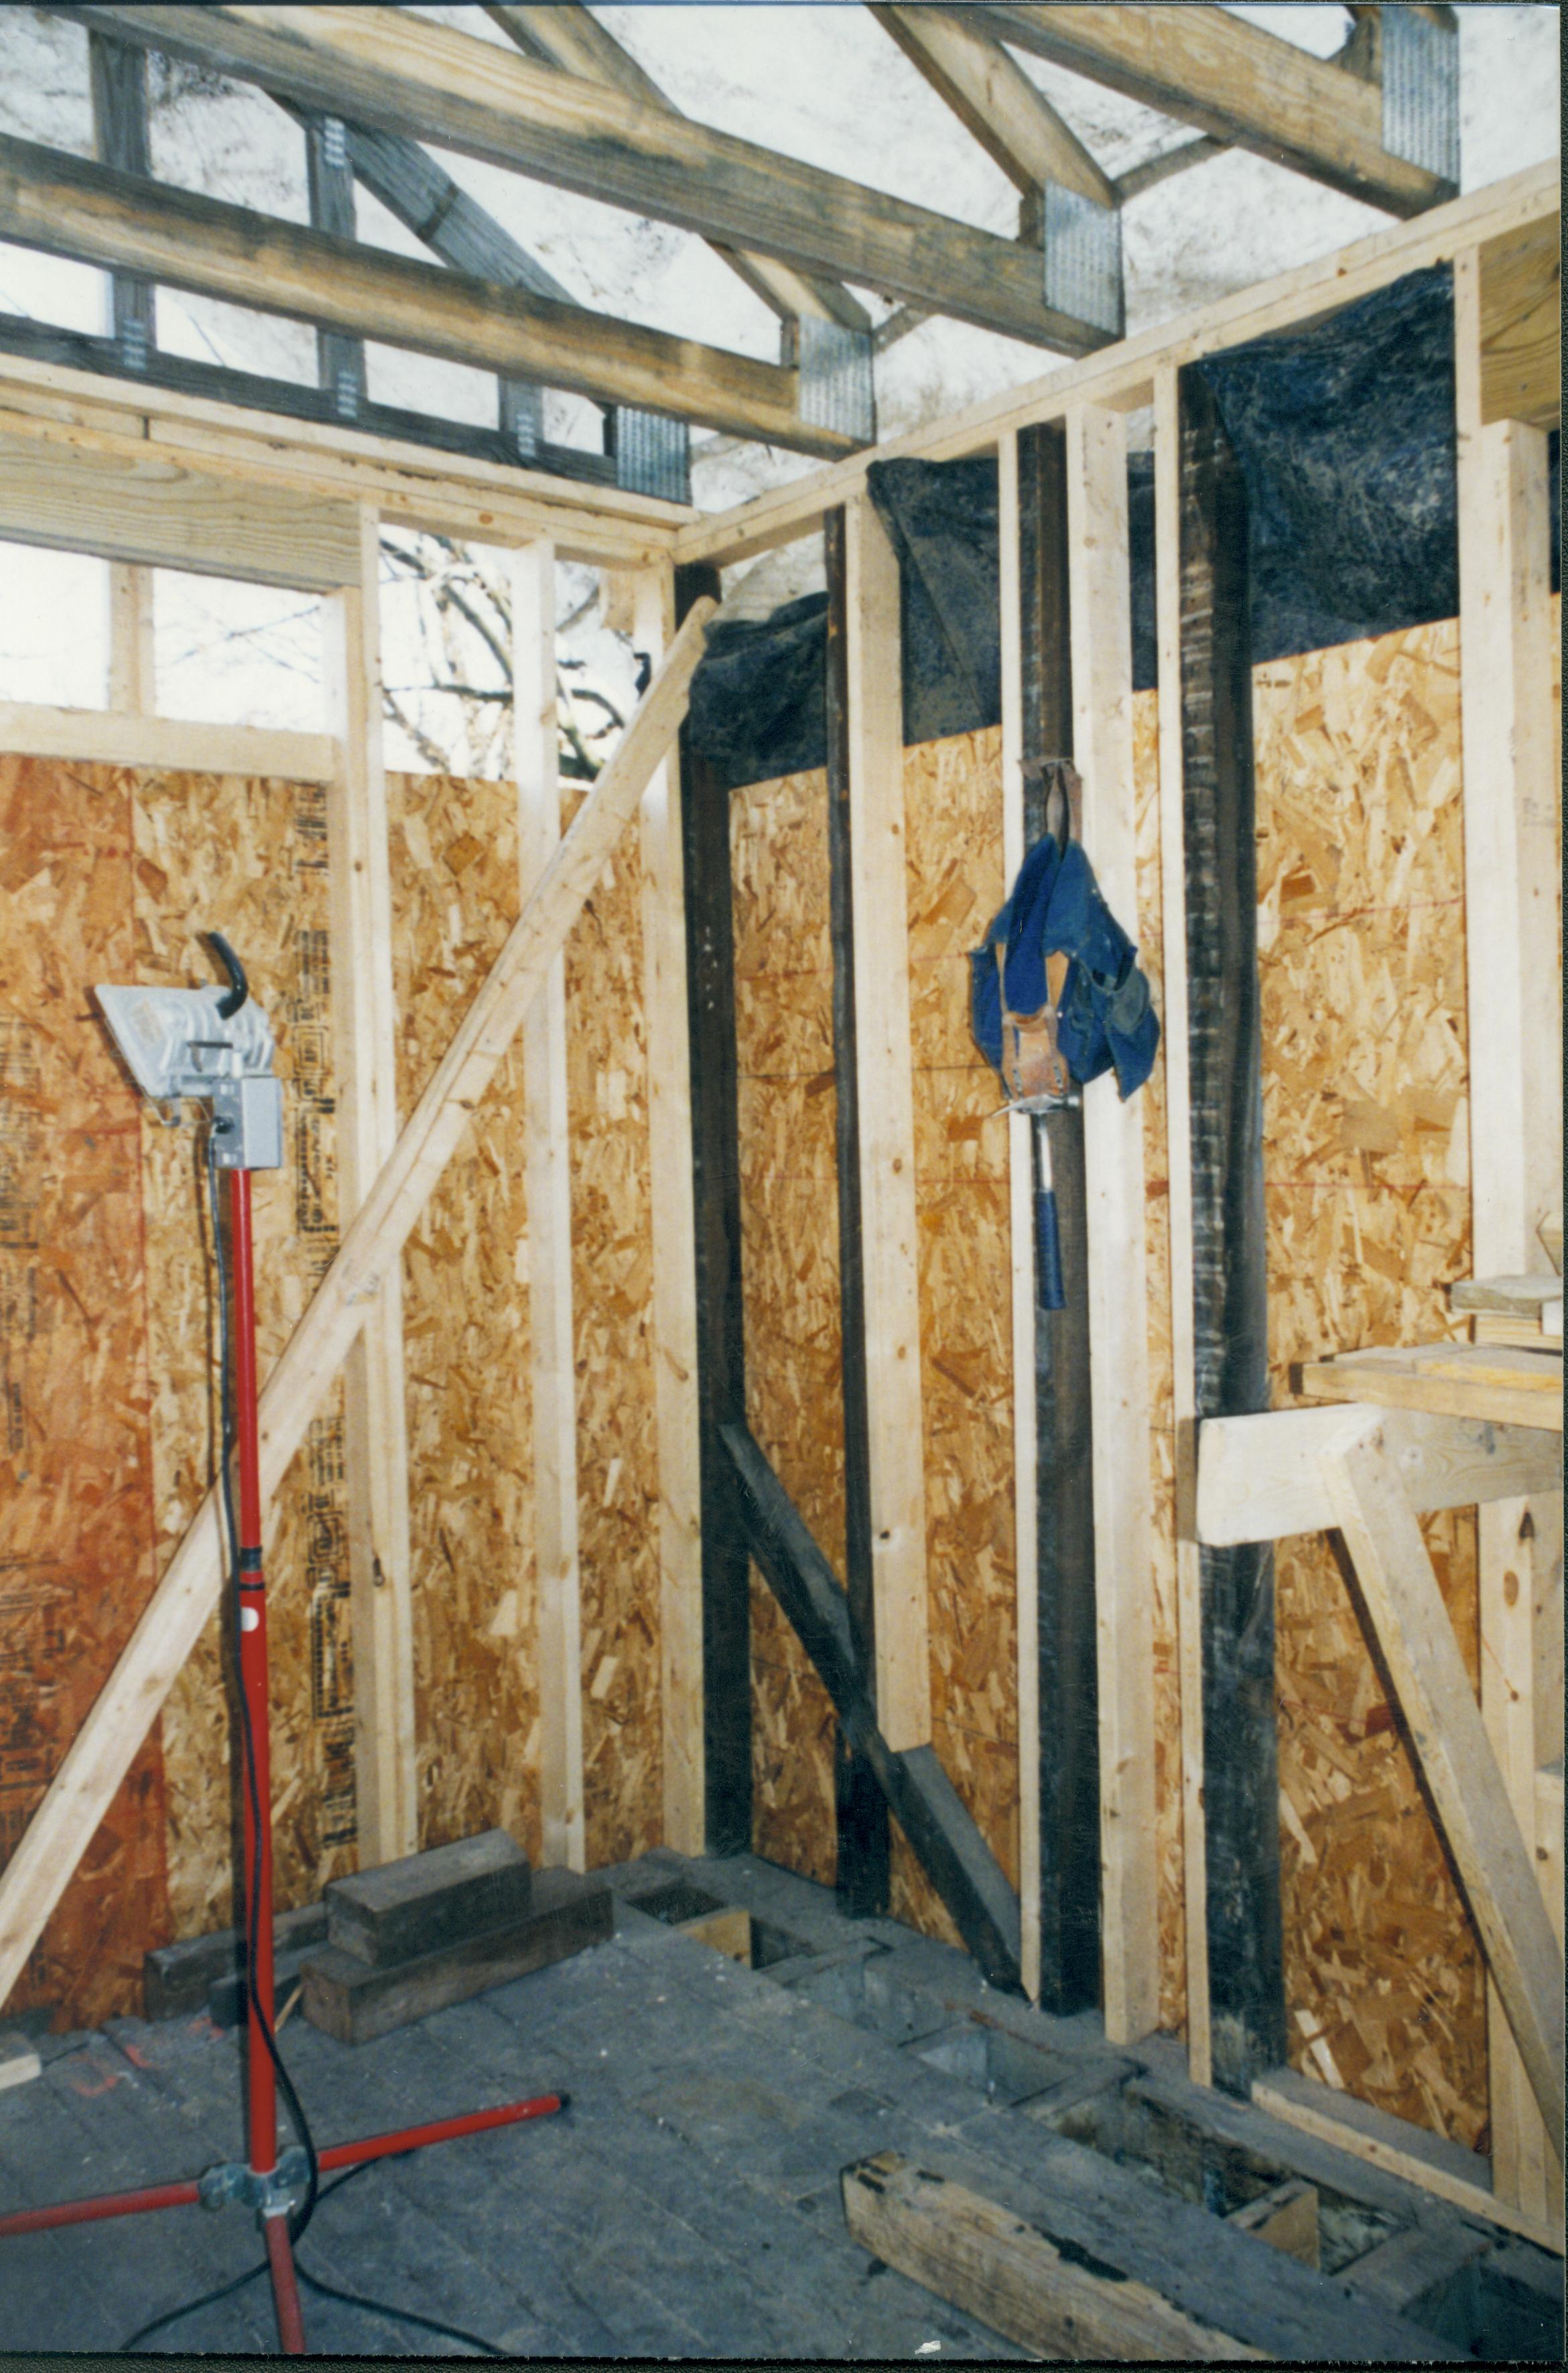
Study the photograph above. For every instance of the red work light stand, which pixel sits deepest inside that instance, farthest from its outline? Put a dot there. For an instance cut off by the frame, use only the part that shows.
(262, 2181)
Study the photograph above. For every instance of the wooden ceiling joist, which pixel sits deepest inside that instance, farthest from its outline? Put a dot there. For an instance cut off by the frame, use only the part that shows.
(384, 67)
(566, 36)
(995, 100)
(65, 206)
(1233, 81)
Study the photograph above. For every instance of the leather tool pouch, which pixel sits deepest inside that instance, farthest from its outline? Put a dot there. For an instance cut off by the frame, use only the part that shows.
(1031, 1060)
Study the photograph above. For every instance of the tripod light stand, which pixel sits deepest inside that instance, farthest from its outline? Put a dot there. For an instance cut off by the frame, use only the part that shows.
(215, 1047)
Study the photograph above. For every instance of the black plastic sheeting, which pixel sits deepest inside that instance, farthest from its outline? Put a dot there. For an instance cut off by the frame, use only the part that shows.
(1345, 438)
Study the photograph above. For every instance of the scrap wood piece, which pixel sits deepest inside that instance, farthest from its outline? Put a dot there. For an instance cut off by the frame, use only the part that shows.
(1492, 1381)
(1286, 2217)
(172, 1621)
(1049, 2295)
(1521, 1297)
(1402, 1598)
(920, 1796)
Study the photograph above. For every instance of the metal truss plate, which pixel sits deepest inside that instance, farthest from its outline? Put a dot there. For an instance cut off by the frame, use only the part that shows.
(1083, 243)
(1421, 91)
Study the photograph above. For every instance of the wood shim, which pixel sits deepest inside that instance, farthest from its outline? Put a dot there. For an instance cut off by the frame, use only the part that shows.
(1051, 2296)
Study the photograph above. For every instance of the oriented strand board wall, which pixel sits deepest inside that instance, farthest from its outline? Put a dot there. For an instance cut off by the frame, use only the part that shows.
(1362, 956)
(790, 1252)
(105, 1353)
(77, 1550)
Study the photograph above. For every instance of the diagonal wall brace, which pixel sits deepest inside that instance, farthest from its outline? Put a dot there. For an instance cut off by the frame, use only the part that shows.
(920, 1796)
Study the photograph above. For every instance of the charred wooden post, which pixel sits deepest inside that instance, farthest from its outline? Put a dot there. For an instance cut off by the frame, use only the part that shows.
(1064, 1543)
(721, 1379)
(1241, 1776)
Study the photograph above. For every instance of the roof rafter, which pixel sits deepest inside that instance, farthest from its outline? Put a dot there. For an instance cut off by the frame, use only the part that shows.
(1232, 80)
(66, 206)
(565, 35)
(380, 66)
(996, 102)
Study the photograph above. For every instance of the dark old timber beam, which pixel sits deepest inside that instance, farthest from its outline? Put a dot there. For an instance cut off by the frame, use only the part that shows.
(1233, 81)
(1064, 1541)
(920, 1796)
(1241, 1783)
(384, 67)
(65, 206)
(562, 34)
(721, 1317)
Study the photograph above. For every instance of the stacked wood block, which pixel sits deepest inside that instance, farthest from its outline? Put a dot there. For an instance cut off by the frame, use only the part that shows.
(414, 1935)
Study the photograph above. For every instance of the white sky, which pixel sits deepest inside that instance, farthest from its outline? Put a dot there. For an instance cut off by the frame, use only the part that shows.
(824, 84)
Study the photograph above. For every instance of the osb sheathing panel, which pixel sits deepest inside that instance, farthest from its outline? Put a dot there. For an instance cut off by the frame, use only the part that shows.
(790, 1255)
(247, 857)
(1362, 956)
(455, 895)
(612, 1306)
(76, 1564)
(952, 812)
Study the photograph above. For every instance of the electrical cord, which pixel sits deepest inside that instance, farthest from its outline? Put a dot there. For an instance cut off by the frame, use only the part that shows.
(300, 2217)
(347, 2298)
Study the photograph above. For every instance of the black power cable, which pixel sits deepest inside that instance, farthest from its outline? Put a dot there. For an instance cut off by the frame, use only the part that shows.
(345, 2298)
(300, 2217)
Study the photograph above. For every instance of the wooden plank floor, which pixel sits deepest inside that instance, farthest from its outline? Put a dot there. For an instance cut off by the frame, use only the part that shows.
(689, 2203)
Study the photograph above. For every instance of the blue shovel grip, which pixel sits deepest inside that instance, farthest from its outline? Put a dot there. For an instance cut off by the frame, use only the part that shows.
(1050, 1294)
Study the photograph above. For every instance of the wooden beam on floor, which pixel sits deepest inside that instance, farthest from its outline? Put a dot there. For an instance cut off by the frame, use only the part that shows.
(547, 1169)
(1119, 1328)
(721, 1314)
(1176, 1024)
(1051, 2297)
(940, 1830)
(385, 67)
(863, 1868)
(879, 902)
(148, 511)
(65, 206)
(565, 35)
(996, 102)
(1258, 1478)
(365, 1034)
(1515, 1016)
(677, 1411)
(1236, 82)
(1401, 1595)
(102, 1751)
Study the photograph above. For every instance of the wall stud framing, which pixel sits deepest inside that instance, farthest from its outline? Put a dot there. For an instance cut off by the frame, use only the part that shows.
(879, 898)
(364, 1013)
(1515, 1016)
(547, 1154)
(1178, 1152)
(1113, 1148)
(676, 1414)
